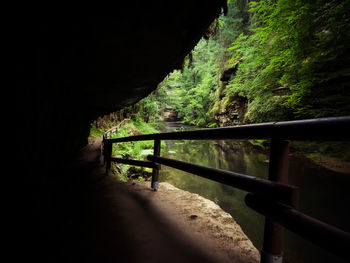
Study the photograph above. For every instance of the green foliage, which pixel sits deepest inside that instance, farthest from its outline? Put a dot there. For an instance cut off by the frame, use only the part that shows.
(193, 91)
(190, 92)
(96, 133)
(134, 149)
(294, 60)
(120, 176)
(147, 109)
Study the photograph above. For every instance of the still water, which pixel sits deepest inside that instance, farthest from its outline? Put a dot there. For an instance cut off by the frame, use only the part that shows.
(323, 194)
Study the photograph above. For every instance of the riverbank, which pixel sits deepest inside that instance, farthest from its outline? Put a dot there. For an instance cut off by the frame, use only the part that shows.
(316, 184)
(330, 156)
(212, 228)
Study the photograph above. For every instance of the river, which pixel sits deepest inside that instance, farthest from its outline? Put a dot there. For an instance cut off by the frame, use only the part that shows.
(323, 194)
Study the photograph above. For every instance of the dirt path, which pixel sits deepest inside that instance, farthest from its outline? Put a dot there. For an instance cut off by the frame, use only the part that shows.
(211, 227)
(125, 222)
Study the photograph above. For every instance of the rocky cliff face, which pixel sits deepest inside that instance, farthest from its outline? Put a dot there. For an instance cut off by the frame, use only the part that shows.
(231, 113)
(230, 110)
(170, 115)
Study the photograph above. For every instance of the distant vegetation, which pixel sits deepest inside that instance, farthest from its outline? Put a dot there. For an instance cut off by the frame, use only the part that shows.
(133, 150)
(137, 150)
(277, 60)
(264, 61)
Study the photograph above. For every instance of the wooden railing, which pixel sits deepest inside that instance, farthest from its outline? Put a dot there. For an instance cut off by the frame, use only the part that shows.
(115, 129)
(106, 147)
(273, 198)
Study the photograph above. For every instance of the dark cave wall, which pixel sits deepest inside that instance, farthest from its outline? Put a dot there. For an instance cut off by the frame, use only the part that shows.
(71, 70)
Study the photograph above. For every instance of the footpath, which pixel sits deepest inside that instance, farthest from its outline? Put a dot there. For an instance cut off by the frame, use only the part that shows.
(128, 222)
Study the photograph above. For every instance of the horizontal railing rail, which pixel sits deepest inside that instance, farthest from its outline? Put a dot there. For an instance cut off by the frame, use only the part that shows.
(273, 198)
(135, 162)
(330, 129)
(284, 193)
(324, 235)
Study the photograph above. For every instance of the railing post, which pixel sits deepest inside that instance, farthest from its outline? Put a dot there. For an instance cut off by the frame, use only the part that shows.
(155, 172)
(272, 251)
(108, 155)
(103, 149)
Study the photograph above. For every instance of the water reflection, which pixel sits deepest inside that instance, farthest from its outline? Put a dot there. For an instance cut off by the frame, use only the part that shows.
(323, 193)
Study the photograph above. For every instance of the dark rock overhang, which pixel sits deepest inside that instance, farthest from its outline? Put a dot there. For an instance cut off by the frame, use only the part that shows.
(70, 69)
(98, 64)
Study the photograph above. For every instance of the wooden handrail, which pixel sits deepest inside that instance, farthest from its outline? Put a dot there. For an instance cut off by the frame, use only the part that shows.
(284, 193)
(262, 194)
(115, 128)
(107, 147)
(316, 231)
(330, 129)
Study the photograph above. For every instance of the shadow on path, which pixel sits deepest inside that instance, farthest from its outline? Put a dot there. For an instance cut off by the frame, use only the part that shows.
(110, 222)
